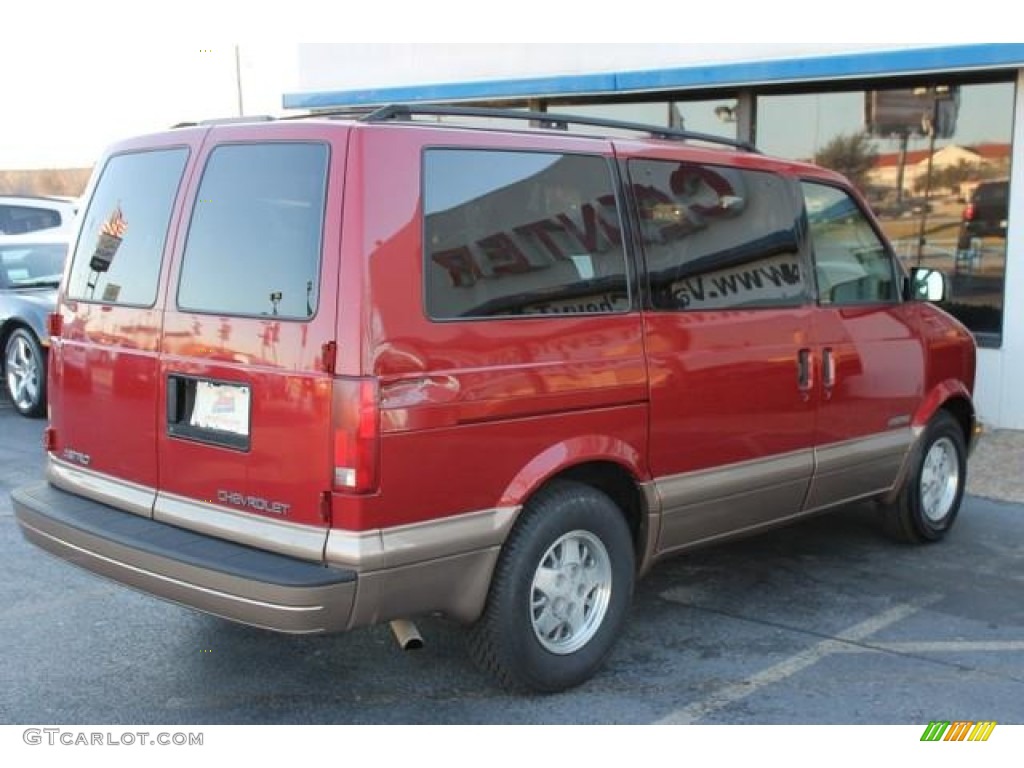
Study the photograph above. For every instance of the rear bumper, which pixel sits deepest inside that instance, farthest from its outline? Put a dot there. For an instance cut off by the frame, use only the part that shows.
(235, 582)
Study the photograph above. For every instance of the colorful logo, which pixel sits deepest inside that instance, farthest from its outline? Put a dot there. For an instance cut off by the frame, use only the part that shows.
(959, 730)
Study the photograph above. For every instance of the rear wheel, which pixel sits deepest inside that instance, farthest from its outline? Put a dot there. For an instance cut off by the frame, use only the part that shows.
(560, 592)
(25, 373)
(933, 489)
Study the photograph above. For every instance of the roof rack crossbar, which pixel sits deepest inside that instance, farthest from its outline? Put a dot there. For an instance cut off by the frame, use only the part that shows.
(550, 120)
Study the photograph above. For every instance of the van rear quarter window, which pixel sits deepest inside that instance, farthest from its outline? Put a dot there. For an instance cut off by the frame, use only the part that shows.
(717, 237)
(521, 233)
(254, 240)
(120, 249)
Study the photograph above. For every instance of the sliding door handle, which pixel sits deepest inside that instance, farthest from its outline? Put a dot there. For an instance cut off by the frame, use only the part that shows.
(828, 368)
(804, 371)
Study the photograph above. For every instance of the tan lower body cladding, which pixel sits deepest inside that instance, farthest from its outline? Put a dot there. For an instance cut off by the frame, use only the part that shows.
(711, 505)
(442, 566)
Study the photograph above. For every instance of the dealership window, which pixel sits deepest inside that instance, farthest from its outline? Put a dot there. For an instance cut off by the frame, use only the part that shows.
(717, 237)
(716, 117)
(521, 233)
(933, 161)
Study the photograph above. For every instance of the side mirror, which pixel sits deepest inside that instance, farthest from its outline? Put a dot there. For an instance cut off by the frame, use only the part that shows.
(927, 285)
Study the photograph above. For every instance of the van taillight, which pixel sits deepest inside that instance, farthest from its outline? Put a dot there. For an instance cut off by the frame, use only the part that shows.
(969, 212)
(356, 418)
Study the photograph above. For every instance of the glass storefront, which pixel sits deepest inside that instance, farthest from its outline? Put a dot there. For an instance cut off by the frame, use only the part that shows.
(933, 162)
(714, 116)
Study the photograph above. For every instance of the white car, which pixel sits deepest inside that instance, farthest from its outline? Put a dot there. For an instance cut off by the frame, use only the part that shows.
(19, 214)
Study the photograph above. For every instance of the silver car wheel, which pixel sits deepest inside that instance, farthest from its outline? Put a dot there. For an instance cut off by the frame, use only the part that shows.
(570, 592)
(940, 480)
(24, 370)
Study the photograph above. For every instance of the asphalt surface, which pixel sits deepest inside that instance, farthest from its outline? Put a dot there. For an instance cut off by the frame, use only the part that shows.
(822, 622)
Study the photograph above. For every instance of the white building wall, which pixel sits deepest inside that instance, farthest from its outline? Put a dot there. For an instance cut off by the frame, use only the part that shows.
(1001, 372)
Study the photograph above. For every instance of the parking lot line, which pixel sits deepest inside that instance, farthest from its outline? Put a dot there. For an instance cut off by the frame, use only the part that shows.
(941, 646)
(732, 693)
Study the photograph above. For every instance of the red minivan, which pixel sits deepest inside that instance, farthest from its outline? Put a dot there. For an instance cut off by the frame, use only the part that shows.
(315, 374)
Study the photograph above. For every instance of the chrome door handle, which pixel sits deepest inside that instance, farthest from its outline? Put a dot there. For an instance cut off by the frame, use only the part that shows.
(828, 368)
(804, 371)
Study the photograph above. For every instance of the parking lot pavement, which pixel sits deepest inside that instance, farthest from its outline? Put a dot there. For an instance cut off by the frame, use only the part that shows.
(822, 622)
(996, 466)
(21, 451)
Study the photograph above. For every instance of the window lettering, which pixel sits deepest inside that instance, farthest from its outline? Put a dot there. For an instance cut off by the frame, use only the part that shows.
(718, 238)
(534, 233)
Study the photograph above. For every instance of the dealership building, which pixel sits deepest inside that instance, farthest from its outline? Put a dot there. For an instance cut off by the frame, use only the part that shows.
(931, 134)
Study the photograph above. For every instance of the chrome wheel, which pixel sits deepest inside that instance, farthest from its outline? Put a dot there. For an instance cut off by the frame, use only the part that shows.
(24, 373)
(928, 501)
(570, 592)
(940, 480)
(560, 591)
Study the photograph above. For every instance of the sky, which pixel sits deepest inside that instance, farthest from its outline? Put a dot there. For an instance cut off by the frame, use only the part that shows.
(79, 76)
(62, 114)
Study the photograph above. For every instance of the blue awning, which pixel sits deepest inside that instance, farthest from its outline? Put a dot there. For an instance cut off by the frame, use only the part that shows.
(908, 61)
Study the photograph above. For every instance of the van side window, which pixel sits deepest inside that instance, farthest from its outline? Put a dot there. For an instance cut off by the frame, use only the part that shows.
(120, 249)
(254, 240)
(521, 233)
(717, 237)
(851, 263)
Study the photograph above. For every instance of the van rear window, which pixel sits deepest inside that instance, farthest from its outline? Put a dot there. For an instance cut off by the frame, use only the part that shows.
(254, 240)
(120, 250)
(521, 234)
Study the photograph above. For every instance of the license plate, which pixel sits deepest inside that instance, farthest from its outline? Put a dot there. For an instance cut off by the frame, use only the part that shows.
(223, 407)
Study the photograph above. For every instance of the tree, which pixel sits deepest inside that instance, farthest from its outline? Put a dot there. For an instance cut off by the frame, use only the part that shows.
(852, 155)
(949, 177)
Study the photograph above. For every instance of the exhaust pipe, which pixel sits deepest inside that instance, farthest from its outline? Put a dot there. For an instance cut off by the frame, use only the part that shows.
(408, 637)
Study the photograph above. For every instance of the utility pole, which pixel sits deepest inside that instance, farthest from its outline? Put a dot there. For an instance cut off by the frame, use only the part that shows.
(238, 79)
(938, 94)
(902, 169)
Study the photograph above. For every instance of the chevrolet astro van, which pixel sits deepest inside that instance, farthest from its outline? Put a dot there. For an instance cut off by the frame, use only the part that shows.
(316, 374)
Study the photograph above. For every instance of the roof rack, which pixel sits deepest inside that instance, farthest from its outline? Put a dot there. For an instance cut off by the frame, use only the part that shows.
(226, 121)
(551, 121)
(353, 112)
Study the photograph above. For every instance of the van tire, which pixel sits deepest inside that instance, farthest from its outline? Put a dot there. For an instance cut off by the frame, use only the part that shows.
(560, 592)
(933, 488)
